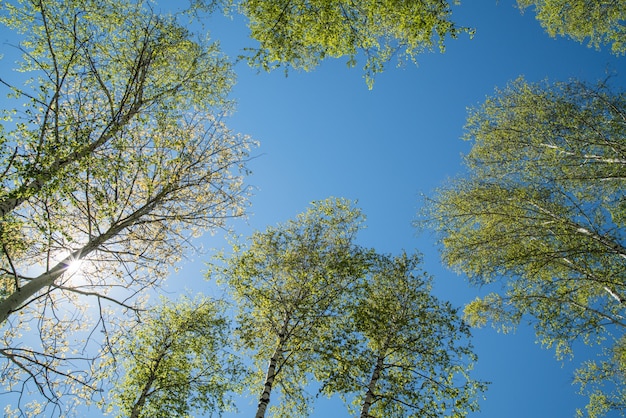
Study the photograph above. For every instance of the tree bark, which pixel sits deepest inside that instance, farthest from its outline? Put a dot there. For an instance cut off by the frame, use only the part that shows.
(269, 381)
(371, 387)
(138, 406)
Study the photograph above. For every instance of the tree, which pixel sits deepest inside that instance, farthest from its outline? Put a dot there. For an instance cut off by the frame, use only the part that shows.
(175, 361)
(401, 352)
(300, 34)
(114, 156)
(288, 283)
(599, 22)
(604, 382)
(542, 208)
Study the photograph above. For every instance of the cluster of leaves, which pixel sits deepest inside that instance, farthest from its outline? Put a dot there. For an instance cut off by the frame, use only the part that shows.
(597, 22)
(175, 362)
(398, 351)
(300, 34)
(543, 207)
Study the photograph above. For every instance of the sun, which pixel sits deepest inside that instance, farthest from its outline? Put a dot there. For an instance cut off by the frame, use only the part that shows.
(74, 266)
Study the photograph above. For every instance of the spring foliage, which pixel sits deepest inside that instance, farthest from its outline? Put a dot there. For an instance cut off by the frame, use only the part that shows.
(300, 34)
(175, 362)
(398, 351)
(542, 210)
(113, 154)
(595, 22)
(312, 304)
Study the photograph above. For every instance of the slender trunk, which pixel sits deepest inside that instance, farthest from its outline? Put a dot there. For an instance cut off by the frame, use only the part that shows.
(13, 302)
(269, 380)
(371, 387)
(139, 404)
(591, 157)
(155, 370)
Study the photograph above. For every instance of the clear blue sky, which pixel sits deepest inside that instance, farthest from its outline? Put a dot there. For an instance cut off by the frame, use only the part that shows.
(325, 134)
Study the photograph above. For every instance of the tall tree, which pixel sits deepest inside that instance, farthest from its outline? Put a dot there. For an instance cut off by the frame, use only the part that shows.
(300, 34)
(542, 209)
(114, 155)
(289, 282)
(598, 22)
(401, 352)
(175, 361)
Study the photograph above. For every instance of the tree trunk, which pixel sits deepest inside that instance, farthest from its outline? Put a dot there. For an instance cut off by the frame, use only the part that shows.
(371, 387)
(22, 294)
(138, 406)
(269, 380)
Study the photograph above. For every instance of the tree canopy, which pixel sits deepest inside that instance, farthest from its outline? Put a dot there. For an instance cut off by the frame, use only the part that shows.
(174, 362)
(289, 282)
(312, 304)
(542, 210)
(595, 22)
(399, 351)
(300, 34)
(113, 155)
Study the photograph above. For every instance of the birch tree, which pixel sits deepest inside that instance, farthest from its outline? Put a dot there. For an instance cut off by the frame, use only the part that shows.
(289, 282)
(113, 155)
(401, 352)
(176, 361)
(542, 210)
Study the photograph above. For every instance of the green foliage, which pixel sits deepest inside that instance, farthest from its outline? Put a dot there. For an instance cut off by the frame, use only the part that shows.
(300, 34)
(604, 382)
(400, 352)
(289, 282)
(543, 209)
(114, 153)
(175, 362)
(598, 22)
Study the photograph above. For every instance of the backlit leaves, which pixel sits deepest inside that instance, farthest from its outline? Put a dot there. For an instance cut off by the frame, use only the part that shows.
(300, 34)
(116, 155)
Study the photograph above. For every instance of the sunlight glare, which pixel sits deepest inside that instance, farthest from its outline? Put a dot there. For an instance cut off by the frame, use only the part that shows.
(74, 266)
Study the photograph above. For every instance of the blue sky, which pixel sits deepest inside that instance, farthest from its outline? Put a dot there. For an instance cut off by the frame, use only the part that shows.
(325, 134)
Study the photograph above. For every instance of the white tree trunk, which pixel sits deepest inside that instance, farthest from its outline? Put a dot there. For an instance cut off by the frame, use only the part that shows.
(269, 381)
